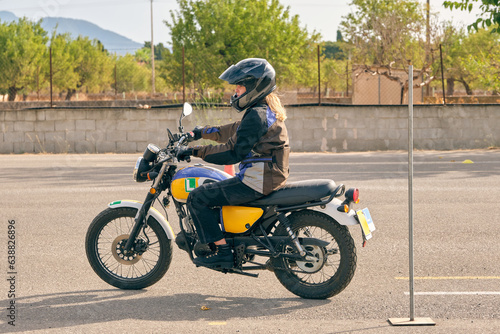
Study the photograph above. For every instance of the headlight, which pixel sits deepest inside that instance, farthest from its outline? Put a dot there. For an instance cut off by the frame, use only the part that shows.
(141, 166)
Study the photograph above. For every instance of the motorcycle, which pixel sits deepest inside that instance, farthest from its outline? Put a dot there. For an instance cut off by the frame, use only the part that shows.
(300, 231)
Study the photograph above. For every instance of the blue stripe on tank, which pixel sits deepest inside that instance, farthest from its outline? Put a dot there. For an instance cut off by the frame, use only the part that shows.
(198, 171)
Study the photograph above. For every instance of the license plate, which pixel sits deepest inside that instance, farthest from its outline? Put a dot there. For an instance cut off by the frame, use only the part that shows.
(365, 219)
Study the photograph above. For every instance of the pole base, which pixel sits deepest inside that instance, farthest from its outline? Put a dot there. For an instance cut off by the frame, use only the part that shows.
(409, 322)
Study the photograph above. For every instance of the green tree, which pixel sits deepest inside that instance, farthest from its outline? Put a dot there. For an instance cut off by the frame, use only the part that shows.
(160, 50)
(490, 12)
(333, 50)
(92, 65)
(131, 76)
(218, 33)
(64, 75)
(387, 34)
(143, 56)
(22, 48)
(384, 32)
(480, 58)
(334, 75)
(471, 59)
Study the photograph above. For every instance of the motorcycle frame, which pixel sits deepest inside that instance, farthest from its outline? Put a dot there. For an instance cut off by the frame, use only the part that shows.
(257, 234)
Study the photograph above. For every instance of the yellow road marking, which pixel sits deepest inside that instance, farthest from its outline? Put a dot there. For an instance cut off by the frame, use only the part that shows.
(449, 277)
(217, 323)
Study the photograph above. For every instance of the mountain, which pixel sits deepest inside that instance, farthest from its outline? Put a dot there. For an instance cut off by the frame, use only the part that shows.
(113, 42)
(7, 16)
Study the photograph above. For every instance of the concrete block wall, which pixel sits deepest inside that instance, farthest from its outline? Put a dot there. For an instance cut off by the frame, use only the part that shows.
(311, 129)
(372, 128)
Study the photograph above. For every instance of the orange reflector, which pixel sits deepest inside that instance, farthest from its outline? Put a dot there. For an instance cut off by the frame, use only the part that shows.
(357, 201)
(152, 191)
(346, 208)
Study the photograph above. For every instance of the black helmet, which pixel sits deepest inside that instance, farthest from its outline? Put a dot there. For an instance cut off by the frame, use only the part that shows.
(258, 77)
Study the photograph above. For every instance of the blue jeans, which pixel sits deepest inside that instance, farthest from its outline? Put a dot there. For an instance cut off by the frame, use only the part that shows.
(205, 201)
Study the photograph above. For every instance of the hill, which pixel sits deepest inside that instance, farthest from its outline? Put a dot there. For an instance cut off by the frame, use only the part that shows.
(113, 42)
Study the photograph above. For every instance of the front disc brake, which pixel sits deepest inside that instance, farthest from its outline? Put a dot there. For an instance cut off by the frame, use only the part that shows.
(118, 251)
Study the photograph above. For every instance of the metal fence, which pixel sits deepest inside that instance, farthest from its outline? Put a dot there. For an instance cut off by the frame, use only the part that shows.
(328, 82)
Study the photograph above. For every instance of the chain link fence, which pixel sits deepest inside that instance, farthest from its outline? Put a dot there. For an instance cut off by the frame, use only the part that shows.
(328, 81)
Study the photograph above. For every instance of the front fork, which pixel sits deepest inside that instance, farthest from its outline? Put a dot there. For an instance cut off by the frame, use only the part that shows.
(140, 220)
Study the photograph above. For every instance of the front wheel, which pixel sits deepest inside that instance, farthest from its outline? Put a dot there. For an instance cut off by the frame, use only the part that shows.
(335, 264)
(143, 266)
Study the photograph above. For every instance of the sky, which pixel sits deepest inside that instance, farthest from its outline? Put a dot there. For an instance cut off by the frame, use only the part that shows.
(132, 18)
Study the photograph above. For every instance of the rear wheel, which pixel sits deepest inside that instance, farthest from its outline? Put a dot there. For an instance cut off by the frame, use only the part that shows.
(143, 266)
(334, 266)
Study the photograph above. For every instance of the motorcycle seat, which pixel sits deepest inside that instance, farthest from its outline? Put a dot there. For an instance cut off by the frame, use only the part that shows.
(299, 192)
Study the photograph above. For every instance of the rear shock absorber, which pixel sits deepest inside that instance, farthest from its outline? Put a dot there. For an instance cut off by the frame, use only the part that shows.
(286, 223)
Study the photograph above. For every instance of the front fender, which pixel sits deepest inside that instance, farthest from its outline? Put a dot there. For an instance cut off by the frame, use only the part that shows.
(152, 212)
(342, 218)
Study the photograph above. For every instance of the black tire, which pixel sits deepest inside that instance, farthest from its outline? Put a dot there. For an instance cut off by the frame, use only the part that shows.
(108, 231)
(336, 262)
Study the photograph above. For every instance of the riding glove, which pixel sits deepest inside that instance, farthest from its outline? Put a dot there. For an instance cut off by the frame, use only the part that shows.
(183, 152)
(197, 132)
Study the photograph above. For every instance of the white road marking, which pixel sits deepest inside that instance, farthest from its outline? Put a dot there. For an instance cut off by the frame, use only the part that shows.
(448, 293)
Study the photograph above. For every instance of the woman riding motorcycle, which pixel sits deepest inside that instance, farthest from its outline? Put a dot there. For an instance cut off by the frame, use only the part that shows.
(259, 141)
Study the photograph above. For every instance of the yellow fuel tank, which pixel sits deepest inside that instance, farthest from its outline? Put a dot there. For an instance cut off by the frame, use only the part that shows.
(189, 178)
(238, 219)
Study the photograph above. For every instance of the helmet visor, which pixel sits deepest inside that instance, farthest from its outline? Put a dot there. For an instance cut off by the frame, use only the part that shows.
(235, 74)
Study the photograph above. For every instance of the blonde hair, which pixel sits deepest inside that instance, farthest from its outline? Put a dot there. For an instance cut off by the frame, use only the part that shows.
(274, 102)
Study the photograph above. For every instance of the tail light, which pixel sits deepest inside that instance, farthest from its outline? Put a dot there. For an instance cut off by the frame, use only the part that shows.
(352, 195)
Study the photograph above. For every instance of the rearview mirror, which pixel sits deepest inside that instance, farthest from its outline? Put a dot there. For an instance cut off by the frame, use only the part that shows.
(187, 109)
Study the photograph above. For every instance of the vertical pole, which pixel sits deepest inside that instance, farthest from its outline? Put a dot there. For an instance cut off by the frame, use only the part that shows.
(38, 83)
(410, 188)
(347, 78)
(319, 79)
(183, 79)
(427, 44)
(50, 60)
(442, 72)
(194, 79)
(152, 54)
(411, 321)
(116, 83)
(379, 92)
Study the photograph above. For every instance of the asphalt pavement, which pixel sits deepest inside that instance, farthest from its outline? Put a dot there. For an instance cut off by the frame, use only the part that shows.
(48, 201)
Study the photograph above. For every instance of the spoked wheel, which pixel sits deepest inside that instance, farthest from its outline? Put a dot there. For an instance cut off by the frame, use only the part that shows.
(334, 265)
(143, 265)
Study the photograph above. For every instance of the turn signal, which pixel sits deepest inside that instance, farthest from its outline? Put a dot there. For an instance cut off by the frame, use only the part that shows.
(152, 191)
(343, 207)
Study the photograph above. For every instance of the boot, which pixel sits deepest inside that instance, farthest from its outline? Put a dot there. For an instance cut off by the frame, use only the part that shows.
(222, 258)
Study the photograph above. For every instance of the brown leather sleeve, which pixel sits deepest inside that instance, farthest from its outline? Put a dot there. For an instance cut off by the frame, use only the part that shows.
(220, 134)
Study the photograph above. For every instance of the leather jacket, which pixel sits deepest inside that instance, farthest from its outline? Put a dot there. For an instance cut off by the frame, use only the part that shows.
(259, 142)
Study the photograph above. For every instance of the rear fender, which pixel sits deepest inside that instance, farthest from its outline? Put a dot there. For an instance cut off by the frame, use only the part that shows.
(330, 209)
(152, 212)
